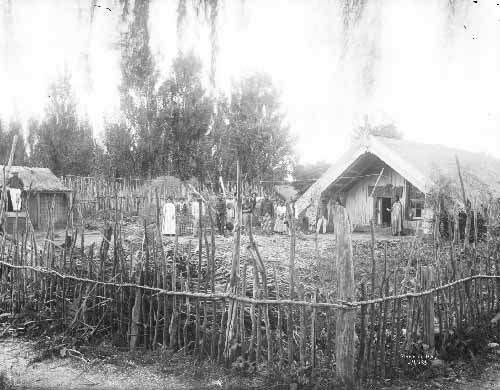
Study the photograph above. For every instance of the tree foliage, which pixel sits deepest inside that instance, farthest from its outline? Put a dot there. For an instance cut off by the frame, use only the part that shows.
(310, 171)
(183, 117)
(169, 133)
(120, 150)
(62, 141)
(251, 128)
(137, 91)
(306, 174)
(388, 130)
(173, 126)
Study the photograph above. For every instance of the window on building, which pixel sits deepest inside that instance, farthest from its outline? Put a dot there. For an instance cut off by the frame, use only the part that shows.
(416, 200)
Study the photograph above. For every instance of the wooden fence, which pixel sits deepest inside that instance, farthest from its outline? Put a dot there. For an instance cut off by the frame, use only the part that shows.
(175, 297)
(135, 196)
(131, 196)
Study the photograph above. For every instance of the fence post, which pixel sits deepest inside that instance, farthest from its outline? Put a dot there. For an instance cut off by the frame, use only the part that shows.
(344, 335)
(427, 279)
(235, 266)
(136, 311)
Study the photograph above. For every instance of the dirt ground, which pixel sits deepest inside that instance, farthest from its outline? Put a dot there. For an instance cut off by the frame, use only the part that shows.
(490, 380)
(22, 368)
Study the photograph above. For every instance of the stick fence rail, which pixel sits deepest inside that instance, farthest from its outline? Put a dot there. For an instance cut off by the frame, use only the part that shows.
(173, 301)
(96, 194)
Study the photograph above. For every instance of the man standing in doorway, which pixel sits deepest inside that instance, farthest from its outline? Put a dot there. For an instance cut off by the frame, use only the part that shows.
(396, 217)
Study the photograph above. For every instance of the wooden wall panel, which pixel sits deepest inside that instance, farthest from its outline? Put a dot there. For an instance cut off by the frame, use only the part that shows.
(358, 202)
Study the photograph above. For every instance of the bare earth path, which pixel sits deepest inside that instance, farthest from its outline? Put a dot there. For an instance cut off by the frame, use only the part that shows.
(16, 365)
(71, 373)
(490, 379)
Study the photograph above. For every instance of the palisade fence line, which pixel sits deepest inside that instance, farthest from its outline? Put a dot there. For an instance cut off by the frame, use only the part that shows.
(134, 195)
(101, 303)
(170, 298)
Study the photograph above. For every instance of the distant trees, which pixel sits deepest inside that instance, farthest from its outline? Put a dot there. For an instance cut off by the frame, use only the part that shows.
(251, 128)
(170, 134)
(138, 100)
(306, 174)
(184, 114)
(388, 130)
(166, 127)
(62, 141)
(119, 148)
(311, 171)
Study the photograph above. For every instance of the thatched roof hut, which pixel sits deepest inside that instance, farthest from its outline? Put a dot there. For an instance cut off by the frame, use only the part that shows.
(36, 179)
(411, 170)
(41, 188)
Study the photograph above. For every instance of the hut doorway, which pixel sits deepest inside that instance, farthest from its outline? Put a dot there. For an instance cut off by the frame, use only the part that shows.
(383, 215)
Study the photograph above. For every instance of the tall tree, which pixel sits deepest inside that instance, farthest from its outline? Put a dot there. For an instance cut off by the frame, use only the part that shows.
(120, 150)
(183, 118)
(139, 77)
(62, 141)
(253, 130)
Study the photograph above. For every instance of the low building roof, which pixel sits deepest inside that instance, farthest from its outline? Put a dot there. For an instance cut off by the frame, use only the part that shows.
(36, 179)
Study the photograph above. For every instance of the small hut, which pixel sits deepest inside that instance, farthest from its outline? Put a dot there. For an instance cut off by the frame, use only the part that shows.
(39, 188)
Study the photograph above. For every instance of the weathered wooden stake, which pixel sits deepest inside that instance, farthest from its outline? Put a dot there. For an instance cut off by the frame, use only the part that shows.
(344, 335)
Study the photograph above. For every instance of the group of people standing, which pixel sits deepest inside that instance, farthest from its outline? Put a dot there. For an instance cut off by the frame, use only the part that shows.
(272, 214)
(172, 209)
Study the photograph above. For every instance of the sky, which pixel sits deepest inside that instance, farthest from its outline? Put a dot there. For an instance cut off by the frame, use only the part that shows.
(430, 68)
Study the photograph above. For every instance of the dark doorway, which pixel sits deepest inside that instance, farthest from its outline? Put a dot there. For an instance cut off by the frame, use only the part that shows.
(386, 215)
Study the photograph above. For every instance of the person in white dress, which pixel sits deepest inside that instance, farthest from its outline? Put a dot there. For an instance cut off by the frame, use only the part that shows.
(168, 218)
(279, 225)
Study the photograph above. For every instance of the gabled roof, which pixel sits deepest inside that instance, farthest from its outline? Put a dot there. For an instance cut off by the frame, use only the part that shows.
(39, 179)
(421, 164)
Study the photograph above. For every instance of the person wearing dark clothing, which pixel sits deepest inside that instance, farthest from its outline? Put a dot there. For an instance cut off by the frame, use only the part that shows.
(15, 181)
(267, 214)
(253, 201)
(220, 209)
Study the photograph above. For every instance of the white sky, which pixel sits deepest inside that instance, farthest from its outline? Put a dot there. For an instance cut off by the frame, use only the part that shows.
(438, 81)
